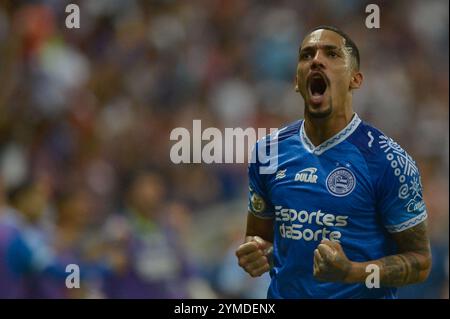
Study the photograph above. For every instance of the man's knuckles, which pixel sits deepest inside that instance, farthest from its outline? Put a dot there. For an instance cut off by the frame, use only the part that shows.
(256, 263)
(251, 258)
(326, 252)
(247, 248)
(259, 271)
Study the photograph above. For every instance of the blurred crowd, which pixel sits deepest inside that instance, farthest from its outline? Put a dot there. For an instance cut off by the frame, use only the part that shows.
(86, 115)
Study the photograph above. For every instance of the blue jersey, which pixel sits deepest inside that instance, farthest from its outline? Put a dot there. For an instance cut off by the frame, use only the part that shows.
(355, 188)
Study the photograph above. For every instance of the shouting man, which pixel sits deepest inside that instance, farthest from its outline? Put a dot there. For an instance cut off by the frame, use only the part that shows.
(345, 201)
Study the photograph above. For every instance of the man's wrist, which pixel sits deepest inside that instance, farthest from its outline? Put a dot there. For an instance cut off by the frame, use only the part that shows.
(356, 273)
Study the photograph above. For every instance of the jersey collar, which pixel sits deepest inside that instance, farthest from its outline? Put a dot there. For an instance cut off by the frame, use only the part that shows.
(332, 141)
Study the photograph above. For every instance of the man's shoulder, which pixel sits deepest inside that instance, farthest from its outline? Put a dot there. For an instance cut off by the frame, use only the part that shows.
(377, 147)
(283, 133)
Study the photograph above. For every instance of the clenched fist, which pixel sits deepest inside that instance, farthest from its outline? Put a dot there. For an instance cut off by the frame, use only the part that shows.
(330, 262)
(253, 255)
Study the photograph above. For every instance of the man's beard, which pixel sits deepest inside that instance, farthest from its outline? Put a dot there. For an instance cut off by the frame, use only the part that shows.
(319, 114)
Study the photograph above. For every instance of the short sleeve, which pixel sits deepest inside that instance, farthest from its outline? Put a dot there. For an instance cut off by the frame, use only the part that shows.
(258, 199)
(400, 190)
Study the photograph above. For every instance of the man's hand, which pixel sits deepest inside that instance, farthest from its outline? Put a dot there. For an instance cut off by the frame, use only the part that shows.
(252, 255)
(411, 265)
(330, 262)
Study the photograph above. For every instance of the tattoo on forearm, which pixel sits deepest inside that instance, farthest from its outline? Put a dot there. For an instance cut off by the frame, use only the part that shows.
(412, 263)
(399, 270)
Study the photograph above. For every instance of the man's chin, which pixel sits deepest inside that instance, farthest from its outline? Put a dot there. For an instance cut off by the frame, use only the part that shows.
(319, 112)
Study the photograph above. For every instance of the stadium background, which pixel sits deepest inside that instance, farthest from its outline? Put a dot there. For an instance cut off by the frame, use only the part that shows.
(85, 118)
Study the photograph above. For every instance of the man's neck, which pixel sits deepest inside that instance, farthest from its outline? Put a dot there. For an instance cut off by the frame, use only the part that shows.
(319, 130)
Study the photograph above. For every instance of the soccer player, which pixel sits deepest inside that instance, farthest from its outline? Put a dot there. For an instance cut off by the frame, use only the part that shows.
(345, 201)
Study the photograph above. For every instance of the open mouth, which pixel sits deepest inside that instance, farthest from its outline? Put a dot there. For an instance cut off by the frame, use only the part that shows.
(317, 85)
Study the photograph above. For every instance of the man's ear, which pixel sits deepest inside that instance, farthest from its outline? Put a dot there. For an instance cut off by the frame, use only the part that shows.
(296, 84)
(356, 80)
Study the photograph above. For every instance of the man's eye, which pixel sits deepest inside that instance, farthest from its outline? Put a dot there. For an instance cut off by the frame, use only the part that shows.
(332, 54)
(305, 55)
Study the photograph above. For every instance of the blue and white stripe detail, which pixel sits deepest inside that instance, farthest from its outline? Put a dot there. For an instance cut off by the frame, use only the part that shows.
(408, 224)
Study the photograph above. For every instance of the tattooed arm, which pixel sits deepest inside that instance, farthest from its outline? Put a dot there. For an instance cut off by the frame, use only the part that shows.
(413, 262)
(411, 265)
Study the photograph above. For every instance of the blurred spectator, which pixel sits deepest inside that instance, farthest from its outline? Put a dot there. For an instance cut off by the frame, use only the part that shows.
(154, 265)
(12, 279)
(26, 246)
(73, 244)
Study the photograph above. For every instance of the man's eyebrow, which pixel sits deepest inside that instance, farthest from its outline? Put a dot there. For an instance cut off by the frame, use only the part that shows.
(327, 47)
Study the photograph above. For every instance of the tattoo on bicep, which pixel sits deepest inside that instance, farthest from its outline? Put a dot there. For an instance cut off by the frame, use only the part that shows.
(414, 239)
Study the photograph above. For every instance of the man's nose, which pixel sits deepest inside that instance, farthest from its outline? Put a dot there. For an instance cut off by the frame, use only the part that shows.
(317, 61)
